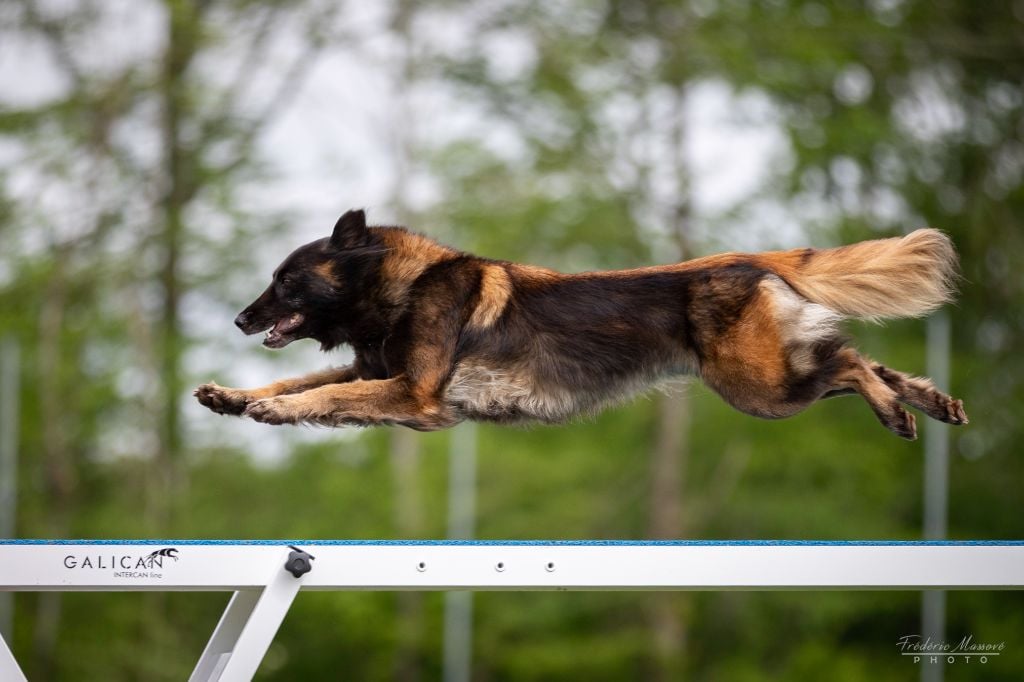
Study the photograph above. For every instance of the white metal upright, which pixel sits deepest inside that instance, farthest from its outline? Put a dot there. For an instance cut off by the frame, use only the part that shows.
(243, 635)
(9, 670)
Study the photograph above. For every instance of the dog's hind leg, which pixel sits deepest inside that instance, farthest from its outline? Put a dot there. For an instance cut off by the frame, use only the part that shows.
(856, 374)
(921, 393)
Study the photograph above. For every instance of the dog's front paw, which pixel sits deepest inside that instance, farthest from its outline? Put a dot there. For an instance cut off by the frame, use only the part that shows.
(220, 399)
(270, 411)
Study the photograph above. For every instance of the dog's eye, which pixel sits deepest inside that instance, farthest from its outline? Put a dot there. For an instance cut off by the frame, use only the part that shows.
(285, 286)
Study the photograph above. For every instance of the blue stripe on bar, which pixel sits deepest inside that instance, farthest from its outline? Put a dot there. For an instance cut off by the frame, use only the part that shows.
(537, 543)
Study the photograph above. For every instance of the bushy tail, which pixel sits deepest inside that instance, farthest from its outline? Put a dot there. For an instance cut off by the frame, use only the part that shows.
(874, 280)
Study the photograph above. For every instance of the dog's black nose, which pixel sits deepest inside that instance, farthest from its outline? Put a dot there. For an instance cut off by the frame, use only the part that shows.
(242, 320)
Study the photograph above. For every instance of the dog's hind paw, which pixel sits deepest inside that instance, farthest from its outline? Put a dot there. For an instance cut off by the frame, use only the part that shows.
(220, 399)
(955, 413)
(903, 424)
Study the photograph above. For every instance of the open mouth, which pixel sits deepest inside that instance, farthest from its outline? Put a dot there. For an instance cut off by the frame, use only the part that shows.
(281, 334)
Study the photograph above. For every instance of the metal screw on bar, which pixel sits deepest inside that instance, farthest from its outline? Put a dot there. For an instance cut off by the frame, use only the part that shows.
(299, 562)
(550, 566)
(500, 566)
(421, 566)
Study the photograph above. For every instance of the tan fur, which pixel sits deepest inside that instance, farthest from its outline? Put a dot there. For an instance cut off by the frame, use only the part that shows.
(717, 260)
(533, 273)
(226, 400)
(408, 255)
(873, 280)
(326, 271)
(363, 402)
(495, 291)
(331, 375)
(748, 364)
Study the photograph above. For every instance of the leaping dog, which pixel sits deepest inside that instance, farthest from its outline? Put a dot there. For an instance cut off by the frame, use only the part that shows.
(441, 336)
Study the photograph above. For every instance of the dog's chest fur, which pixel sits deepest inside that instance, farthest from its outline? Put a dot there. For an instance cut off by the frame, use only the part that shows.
(485, 393)
(493, 394)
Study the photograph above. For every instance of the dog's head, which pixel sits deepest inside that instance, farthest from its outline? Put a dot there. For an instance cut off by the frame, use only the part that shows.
(315, 289)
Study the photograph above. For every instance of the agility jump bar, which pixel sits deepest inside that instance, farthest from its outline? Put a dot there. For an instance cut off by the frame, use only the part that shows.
(128, 565)
(265, 575)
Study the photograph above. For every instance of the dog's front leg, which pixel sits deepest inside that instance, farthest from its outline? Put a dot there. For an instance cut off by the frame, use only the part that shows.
(223, 400)
(413, 395)
(359, 403)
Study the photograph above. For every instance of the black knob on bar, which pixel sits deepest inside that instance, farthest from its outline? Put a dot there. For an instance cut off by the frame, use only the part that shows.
(299, 562)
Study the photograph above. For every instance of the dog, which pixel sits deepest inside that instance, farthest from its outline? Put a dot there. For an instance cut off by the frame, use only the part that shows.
(441, 336)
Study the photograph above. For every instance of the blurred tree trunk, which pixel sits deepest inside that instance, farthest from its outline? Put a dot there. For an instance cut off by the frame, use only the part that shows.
(59, 475)
(405, 455)
(671, 449)
(176, 190)
(404, 443)
(183, 32)
(668, 470)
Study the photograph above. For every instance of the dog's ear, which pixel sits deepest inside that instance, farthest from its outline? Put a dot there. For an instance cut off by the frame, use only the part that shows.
(350, 230)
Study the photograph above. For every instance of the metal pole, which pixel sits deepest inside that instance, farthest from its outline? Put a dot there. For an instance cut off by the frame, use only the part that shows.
(245, 631)
(9, 387)
(936, 487)
(458, 606)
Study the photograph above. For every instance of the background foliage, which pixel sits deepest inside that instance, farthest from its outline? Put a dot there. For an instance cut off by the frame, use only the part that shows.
(562, 133)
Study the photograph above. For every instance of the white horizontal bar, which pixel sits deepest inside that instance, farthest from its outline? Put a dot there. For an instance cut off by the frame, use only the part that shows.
(495, 566)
